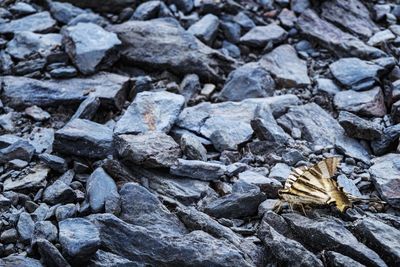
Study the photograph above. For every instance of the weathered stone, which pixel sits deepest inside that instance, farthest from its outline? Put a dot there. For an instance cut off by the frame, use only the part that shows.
(152, 149)
(193, 148)
(55, 163)
(106, 259)
(44, 230)
(385, 174)
(64, 12)
(89, 18)
(25, 227)
(31, 181)
(267, 185)
(367, 103)
(103, 5)
(331, 37)
(90, 47)
(39, 22)
(22, 9)
(338, 260)
(327, 86)
(248, 81)
(358, 127)
(84, 138)
(197, 169)
(206, 28)
(150, 111)
(9, 236)
(395, 112)
(17, 261)
(21, 149)
(50, 254)
(381, 37)
(260, 36)
(42, 139)
(63, 72)
(37, 113)
(87, 109)
(147, 10)
(387, 141)
(163, 44)
(190, 86)
(66, 211)
(58, 192)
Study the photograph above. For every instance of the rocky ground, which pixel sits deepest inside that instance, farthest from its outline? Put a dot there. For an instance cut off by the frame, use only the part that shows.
(157, 133)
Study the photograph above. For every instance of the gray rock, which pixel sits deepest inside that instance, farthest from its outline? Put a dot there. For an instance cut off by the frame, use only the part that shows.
(90, 47)
(248, 81)
(25, 44)
(22, 9)
(190, 86)
(44, 230)
(37, 113)
(106, 259)
(100, 188)
(231, 30)
(6, 63)
(141, 208)
(66, 211)
(25, 227)
(267, 205)
(367, 103)
(34, 180)
(63, 72)
(331, 37)
(79, 239)
(352, 15)
(103, 5)
(335, 259)
(64, 12)
(147, 10)
(235, 205)
(395, 112)
(280, 172)
(260, 36)
(244, 21)
(5, 203)
(152, 149)
(150, 111)
(58, 192)
(267, 185)
(42, 139)
(355, 74)
(84, 138)
(167, 46)
(184, 5)
(348, 185)
(21, 149)
(285, 66)
(194, 249)
(385, 173)
(89, 18)
(205, 29)
(387, 141)
(87, 109)
(50, 254)
(192, 147)
(327, 86)
(40, 212)
(357, 127)
(197, 169)
(9, 236)
(21, 91)
(54, 162)
(331, 235)
(20, 261)
(39, 22)
(299, 6)
(381, 37)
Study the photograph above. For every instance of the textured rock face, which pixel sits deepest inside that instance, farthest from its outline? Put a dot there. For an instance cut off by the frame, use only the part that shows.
(40, 22)
(103, 5)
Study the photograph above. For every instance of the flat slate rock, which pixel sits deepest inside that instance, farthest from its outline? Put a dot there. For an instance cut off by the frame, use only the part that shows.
(163, 44)
(34, 180)
(103, 5)
(286, 67)
(18, 261)
(24, 92)
(40, 22)
(205, 29)
(65, 12)
(340, 260)
(197, 169)
(260, 36)
(84, 138)
(333, 38)
(358, 127)
(150, 111)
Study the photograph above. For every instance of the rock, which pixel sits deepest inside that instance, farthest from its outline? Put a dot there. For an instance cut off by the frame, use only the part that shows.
(327, 86)
(260, 36)
(106, 259)
(339, 260)
(6, 122)
(280, 172)
(348, 185)
(331, 37)
(65, 12)
(190, 86)
(79, 239)
(58, 192)
(357, 127)
(42, 139)
(84, 138)
(355, 74)
(9, 236)
(195, 248)
(385, 173)
(267, 185)
(25, 227)
(367, 103)
(50, 254)
(285, 66)
(205, 29)
(31, 181)
(21, 149)
(153, 149)
(147, 10)
(331, 234)
(235, 205)
(44, 230)
(18, 260)
(37, 113)
(139, 207)
(352, 15)
(150, 111)
(101, 188)
(90, 47)
(39, 22)
(66, 211)
(162, 44)
(55, 163)
(196, 169)
(387, 141)
(89, 18)
(22, 9)
(267, 205)
(23, 92)
(26, 44)
(63, 72)
(5, 203)
(299, 6)
(244, 21)
(231, 30)
(87, 109)
(395, 112)
(184, 5)
(285, 250)
(381, 37)
(103, 5)
(287, 18)
(193, 148)
(248, 81)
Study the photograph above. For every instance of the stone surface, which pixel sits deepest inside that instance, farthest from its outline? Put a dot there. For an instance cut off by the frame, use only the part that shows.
(58, 192)
(387, 141)
(54, 162)
(20, 149)
(147, 10)
(65, 12)
(16, 260)
(44, 230)
(37, 114)
(162, 43)
(50, 254)
(102, 5)
(381, 37)
(150, 111)
(339, 260)
(260, 36)
(90, 47)
(267, 185)
(206, 28)
(25, 227)
(84, 138)
(34, 180)
(196, 169)
(358, 127)
(192, 147)
(285, 66)
(106, 259)
(40, 22)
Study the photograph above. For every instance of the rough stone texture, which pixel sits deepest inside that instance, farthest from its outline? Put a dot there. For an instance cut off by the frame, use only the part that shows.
(338, 260)
(16, 260)
(90, 47)
(50, 254)
(103, 5)
(25, 227)
(196, 169)
(58, 192)
(21, 150)
(162, 43)
(206, 28)
(387, 141)
(192, 147)
(34, 180)
(381, 38)
(150, 111)
(39, 22)
(358, 127)
(260, 36)
(285, 66)
(106, 259)
(65, 12)
(267, 185)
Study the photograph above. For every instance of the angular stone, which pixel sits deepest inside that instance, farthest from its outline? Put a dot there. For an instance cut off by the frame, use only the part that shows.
(87, 109)
(153, 149)
(66, 211)
(395, 112)
(357, 127)
(385, 174)
(367, 103)
(50, 254)
(338, 260)
(147, 10)
(141, 208)
(23, 92)
(31, 181)
(205, 29)
(64, 12)
(285, 66)
(24, 44)
(21, 149)
(381, 37)
(59, 192)
(106, 259)
(84, 138)
(267, 185)
(22, 9)
(25, 227)
(355, 74)
(17, 261)
(192, 147)
(150, 111)
(280, 172)
(387, 141)
(37, 113)
(55, 163)
(190, 86)
(39, 22)
(331, 37)
(248, 81)
(100, 188)
(327, 86)
(348, 185)
(42, 139)
(260, 36)
(90, 47)
(196, 169)
(163, 45)
(44, 230)
(103, 5)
